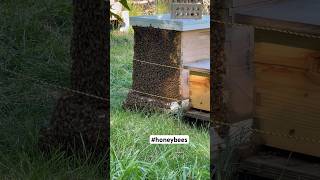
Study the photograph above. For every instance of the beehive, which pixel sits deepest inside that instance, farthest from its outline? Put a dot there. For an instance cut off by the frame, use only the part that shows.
(287, 74)
(288, 95)
(163, 46)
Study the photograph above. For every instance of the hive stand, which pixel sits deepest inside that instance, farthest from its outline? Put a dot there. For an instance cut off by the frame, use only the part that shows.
(175, 45)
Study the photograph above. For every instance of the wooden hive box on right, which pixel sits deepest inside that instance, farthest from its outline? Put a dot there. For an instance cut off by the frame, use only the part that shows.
(287, 74)
(288, 96)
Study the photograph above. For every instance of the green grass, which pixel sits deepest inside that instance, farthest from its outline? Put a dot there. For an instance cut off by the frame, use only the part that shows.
(135, 10)
(163, 7)
(131, 153)
(160, 7)
(35, 41)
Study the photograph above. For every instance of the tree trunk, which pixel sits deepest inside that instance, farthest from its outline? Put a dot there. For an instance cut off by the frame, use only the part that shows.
(80, 122)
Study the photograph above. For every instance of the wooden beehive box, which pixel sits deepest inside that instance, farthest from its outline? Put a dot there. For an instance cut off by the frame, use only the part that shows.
(195, 53)
(199, 84)
(288, 95)
(287, 75)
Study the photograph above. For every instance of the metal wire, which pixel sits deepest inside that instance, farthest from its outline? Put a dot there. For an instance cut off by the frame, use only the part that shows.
(42, 82)
(283, 135)
(162, 97)
(217, 123)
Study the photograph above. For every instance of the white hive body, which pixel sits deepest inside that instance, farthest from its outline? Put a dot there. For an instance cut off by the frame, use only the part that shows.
(186, 9)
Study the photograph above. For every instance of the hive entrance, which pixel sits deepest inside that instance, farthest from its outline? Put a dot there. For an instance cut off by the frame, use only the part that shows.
(199, 84)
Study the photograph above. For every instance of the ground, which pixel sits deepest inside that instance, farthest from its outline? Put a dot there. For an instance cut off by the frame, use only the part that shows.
(35, 42)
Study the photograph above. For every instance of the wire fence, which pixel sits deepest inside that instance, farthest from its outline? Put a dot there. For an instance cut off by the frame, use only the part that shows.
(216, 122)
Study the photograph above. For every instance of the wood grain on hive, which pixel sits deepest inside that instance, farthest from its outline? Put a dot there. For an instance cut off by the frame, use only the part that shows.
(195, 45)
(288, 95)
(287, 78)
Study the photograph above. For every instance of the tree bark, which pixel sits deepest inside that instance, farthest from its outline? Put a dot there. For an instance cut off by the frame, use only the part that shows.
(81, 122)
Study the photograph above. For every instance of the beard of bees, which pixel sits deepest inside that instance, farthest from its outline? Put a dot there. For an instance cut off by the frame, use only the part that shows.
(80, 122)
(161, 47)
(217, 75)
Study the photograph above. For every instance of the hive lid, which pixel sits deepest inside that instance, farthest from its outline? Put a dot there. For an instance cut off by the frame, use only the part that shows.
(293, 15)
(199, 66)
(163, 21)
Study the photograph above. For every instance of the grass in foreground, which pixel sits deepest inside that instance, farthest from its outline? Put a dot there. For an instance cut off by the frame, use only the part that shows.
(131, 154)
(35, 41)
